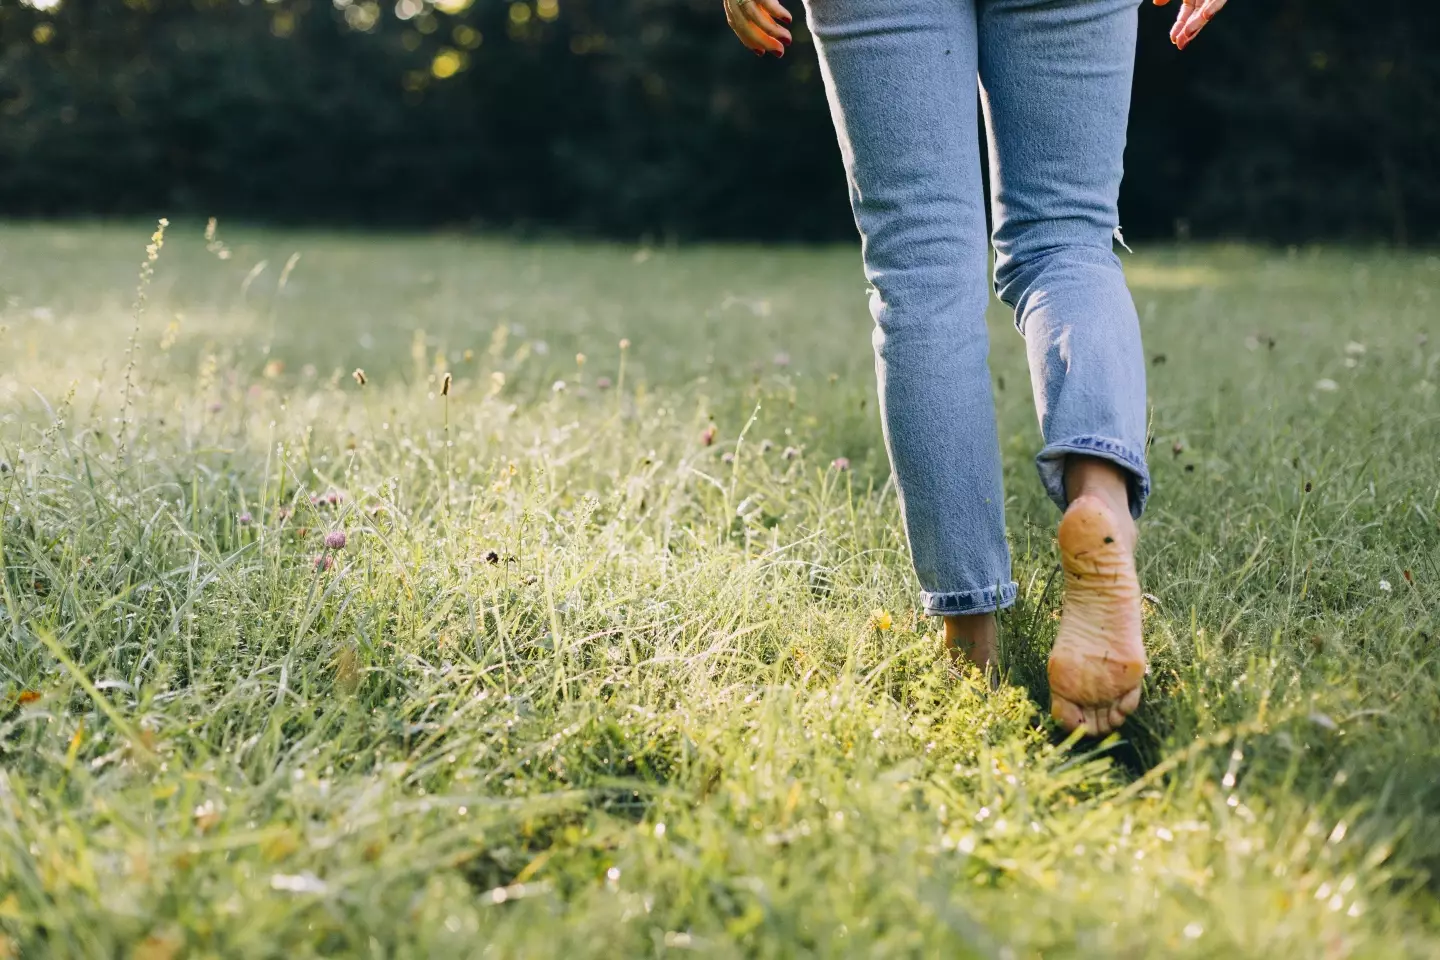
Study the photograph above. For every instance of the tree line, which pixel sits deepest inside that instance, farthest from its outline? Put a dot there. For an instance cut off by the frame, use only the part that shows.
(1288, 120)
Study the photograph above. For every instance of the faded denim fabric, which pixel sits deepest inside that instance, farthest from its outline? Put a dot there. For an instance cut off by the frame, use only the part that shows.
(1054, 77)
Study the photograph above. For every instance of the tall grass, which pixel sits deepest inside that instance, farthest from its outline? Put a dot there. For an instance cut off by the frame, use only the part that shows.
(619, 654)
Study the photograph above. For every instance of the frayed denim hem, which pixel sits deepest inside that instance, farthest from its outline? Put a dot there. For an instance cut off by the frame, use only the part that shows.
(1051, 463)
(967, 602)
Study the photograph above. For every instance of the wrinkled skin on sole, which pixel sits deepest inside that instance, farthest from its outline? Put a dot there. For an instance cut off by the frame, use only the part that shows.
(1099, 658)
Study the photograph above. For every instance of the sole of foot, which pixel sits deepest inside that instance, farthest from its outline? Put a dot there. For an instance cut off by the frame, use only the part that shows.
(1099, 658)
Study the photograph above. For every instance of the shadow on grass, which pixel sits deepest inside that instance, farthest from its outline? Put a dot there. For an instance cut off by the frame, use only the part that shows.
(1027, 633)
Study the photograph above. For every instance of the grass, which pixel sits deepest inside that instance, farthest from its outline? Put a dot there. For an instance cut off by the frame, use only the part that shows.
(589, 679)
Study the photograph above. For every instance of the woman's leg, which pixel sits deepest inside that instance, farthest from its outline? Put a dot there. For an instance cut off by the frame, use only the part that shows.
(1056, 77)
(901, 76)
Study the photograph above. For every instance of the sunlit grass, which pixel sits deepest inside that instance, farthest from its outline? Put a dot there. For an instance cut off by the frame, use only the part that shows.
(598, 669)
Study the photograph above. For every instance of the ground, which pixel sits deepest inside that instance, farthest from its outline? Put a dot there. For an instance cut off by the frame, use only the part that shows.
(619, 653)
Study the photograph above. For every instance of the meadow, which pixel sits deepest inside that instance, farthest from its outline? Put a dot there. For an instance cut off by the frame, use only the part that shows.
(447, 597)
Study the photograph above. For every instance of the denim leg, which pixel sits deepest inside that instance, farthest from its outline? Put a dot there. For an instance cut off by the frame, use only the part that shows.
(1056, 76)
(901, 77)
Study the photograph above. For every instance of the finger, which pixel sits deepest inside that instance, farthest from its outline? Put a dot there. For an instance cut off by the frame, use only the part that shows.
(762, 19)
(777, 11)
(754, 38)
(1197, 22)
(1187, 7)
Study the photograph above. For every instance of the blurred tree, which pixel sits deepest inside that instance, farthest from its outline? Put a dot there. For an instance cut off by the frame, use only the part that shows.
(630, 117)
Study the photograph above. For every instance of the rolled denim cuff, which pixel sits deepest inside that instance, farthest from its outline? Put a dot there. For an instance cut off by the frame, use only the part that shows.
(1051, 463)
(967, 602)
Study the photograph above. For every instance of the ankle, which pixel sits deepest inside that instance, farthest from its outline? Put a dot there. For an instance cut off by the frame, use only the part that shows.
(972, 638)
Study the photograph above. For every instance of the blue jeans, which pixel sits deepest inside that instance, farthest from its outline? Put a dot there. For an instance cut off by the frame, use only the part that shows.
(1055, 77)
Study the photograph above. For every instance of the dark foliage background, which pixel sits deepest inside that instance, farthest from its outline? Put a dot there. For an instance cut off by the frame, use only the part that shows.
(1289, 119)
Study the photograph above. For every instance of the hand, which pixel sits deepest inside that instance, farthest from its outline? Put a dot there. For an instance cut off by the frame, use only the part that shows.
(758, 25)
(1194, 14)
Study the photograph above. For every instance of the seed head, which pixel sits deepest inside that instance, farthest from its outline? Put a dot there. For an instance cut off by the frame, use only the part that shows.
(625, 344)
(359, 376)
(445, 386)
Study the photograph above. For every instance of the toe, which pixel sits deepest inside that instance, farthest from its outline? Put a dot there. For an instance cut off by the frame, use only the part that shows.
(1130, 702)
(1067, 714)
(1116, 717)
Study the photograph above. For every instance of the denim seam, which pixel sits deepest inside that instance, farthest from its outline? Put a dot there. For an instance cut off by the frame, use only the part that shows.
(1052, 473)
(965, 602)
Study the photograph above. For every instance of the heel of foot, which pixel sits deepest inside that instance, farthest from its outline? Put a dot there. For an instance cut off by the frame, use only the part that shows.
(1088, 525)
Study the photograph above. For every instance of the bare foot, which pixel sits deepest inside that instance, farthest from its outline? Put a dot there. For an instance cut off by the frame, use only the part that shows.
(1099, 656)
(971, 639)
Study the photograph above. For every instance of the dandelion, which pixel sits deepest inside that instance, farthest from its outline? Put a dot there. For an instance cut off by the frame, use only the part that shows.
(708, 436)
(445, 386)
(602, 383)
(841, 463)
(245, 519)
(335, 540)
(625, 343)
(1384, 586)
(881, 620)
(359, 376)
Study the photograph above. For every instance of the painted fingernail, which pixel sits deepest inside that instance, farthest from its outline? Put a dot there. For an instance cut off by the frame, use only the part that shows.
(785, 40)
